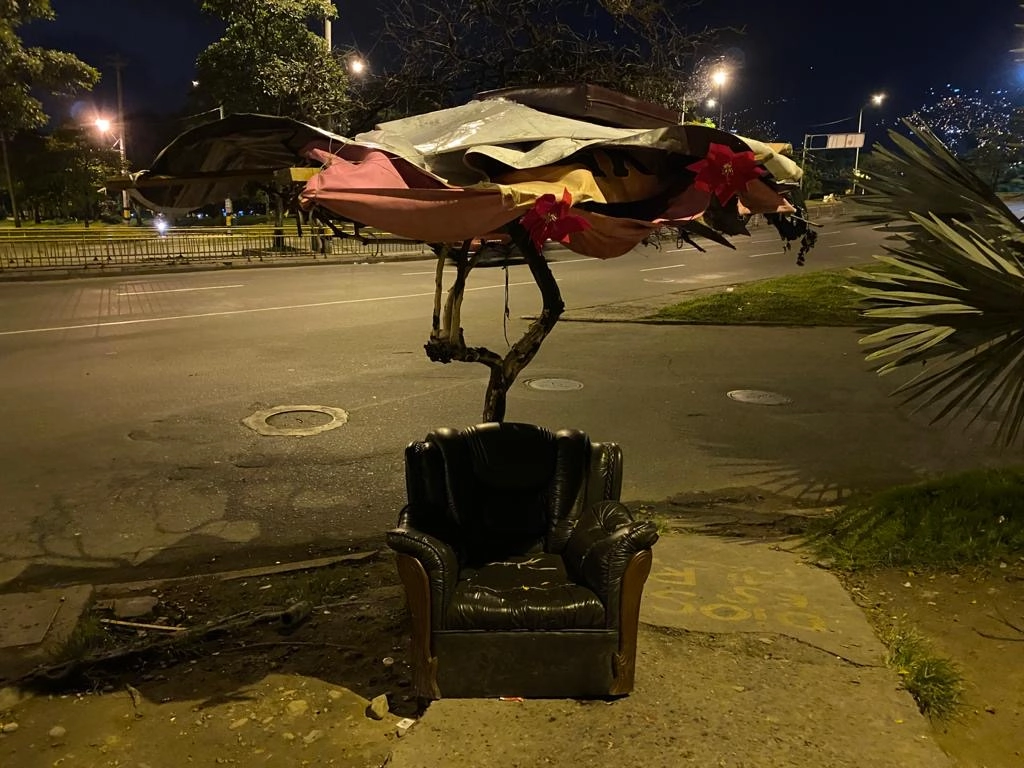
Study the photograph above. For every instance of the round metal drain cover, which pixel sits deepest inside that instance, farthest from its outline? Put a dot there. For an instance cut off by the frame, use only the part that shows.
(759, 397)
(554, 385)
(259, 421)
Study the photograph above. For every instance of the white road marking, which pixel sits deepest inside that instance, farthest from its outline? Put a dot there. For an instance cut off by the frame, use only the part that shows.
(670, 266)
(226, 313)
(770, 253)
(680, 250)
(842, 245)
(828, 234)
(181, 290)
(431, 272)
(574, 261)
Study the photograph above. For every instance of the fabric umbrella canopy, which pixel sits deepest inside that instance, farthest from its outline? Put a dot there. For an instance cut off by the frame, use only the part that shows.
(467, 172)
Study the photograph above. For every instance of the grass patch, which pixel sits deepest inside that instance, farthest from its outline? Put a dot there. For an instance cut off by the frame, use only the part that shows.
(934, 681)
(812, 298)
(968, 518)
(89, 635)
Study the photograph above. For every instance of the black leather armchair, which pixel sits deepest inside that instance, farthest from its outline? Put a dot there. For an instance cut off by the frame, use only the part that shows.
(523, 571)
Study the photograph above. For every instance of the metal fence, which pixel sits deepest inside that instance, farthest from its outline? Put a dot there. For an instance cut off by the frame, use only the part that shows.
(32, 249)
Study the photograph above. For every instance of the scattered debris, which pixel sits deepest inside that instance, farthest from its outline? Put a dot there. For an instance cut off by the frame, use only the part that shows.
(138, 625)
(297, 708)
(378, 707)
(134, 607)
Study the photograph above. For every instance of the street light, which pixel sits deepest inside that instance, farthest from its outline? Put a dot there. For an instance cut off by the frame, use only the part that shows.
(719, 78)
(876, 101)
(105, 126)
(357, 66)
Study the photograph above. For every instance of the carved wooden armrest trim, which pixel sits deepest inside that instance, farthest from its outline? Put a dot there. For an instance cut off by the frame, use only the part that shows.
(417, 591)
(633, 580)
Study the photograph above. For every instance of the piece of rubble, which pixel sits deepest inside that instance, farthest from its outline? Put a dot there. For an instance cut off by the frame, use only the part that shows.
(9, 728)
(134, 607)
(297, 707)
(315, 735)
(378, 707)
(58, 732)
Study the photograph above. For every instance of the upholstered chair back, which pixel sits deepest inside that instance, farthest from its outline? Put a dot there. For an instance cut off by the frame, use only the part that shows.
(497, 490)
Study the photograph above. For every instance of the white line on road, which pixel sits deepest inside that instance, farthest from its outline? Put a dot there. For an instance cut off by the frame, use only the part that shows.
(680, 250)
(226, 313)
(181, 290)
(828, 234)
(842, 245)
(574, 261)
(431, 272)
(670, 266)
(770, 253)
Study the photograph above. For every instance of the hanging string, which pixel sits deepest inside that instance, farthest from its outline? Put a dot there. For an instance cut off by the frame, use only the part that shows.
(505, 319)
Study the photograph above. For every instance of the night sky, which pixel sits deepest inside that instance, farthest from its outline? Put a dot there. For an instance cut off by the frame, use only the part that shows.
(811, 64)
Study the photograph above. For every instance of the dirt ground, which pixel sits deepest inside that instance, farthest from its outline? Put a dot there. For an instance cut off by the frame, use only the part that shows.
(292, 689)
(975, 618)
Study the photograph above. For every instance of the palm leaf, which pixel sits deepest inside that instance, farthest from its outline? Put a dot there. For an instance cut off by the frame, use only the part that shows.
(954, 299)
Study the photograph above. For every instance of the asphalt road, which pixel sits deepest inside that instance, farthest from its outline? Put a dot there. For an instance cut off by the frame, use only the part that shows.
(123, 443)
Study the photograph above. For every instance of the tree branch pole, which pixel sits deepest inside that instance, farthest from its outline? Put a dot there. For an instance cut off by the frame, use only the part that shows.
(447, 341)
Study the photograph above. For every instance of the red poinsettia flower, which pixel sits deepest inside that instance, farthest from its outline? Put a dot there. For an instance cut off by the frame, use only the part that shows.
(550, 219)
(725, 173)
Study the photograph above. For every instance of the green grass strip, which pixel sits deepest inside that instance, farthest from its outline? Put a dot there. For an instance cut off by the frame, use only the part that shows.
(810, 298)
(969, 518)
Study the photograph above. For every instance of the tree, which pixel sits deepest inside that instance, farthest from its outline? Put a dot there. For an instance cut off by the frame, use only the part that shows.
(448, 50)
(953, 298)
(60, 174)
(24, 70)
(270, 62)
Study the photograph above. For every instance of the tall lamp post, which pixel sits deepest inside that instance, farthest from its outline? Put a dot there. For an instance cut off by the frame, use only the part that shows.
(104, 126)
(876, 101)
(719, 78)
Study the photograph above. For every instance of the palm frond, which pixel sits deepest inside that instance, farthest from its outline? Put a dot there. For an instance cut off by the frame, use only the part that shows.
(955, 294)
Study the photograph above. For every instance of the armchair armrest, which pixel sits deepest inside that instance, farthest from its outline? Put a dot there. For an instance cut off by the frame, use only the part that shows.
(604, 541)
(437, 558)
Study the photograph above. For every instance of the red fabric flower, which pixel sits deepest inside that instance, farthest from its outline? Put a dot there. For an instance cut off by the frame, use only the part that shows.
(725, 173)
(550, 219)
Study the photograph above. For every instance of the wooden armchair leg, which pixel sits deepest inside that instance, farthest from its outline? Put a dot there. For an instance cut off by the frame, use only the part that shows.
(417, 591)
(624, 662)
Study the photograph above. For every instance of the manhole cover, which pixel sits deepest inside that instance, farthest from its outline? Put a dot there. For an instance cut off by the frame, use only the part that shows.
(299, 419)
(759, 397)
(296, 420)
(554, 385)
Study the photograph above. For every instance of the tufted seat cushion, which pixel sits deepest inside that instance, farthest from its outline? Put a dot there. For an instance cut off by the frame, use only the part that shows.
(523, 592)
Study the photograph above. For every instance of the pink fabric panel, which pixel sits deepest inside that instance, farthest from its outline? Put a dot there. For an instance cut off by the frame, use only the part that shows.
(432, 216)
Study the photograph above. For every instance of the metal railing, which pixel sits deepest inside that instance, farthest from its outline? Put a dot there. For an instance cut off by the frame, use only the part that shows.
(32, 249)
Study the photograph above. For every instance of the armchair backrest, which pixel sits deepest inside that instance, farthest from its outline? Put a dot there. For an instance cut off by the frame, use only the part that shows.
(496, 490)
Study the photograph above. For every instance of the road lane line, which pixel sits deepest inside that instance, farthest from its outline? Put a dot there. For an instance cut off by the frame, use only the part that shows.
(181, 290)
(655, 269)
(842, 245)
(770, 253)
(573, 261)
(828, 234)
(680, 250)
(431, 272)
(227, 313)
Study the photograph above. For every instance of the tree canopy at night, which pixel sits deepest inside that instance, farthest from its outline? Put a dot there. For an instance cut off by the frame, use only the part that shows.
(271, 62)
(445, 51)
(26, 70)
